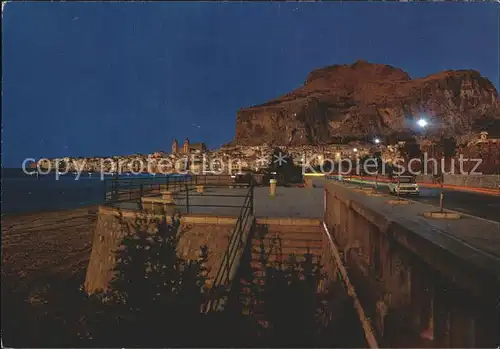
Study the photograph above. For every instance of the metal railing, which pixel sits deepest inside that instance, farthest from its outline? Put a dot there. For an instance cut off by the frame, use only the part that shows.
(184, 187)
(222, 283)
(132, 189)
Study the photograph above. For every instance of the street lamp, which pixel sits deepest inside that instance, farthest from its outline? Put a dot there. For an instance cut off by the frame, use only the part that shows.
(376, 141)
(422, 123)
(355, 150)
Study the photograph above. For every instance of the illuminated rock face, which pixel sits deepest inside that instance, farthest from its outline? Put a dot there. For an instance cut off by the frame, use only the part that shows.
(363, 99)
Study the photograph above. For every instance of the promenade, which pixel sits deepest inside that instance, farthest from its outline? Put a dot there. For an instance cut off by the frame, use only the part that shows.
(220, 201)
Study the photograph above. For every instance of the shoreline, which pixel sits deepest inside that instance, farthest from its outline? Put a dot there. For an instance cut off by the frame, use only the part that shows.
(92, 208)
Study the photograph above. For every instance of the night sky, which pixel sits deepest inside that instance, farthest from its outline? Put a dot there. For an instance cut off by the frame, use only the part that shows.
(99, 79)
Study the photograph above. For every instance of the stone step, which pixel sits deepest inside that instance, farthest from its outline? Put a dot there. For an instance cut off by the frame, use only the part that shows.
(259, 279)
(300, 237)
(289, 228)
(298, 250)
(289, 236)
(286, 243)
(274, 258)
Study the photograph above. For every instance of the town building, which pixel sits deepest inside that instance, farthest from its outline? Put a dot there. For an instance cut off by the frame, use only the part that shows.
(197, 148)
(157, 155)
(188, 148)
(483, 137)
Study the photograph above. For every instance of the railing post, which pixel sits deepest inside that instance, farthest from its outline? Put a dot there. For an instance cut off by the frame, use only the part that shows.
(251, 200)
(187, 198)
(117, 188)
(228, 269)
(141, 191)
(105, 192)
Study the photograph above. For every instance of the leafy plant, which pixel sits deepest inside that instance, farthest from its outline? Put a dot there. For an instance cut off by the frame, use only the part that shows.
(156, 296)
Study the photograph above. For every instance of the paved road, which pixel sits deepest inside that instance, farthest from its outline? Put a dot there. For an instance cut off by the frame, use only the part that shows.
(479, 205)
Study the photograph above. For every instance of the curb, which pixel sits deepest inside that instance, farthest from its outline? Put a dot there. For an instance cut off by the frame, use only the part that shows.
(398, 202)
(442, 215)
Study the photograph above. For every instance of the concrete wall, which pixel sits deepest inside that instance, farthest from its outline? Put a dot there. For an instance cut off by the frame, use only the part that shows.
(195, 231)
(409, 286)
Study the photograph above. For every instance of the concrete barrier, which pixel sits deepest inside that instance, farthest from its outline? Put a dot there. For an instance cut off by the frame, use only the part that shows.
(421, 281)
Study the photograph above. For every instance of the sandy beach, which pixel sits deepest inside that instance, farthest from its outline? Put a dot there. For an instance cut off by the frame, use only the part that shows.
(44, 260)
(54, 243)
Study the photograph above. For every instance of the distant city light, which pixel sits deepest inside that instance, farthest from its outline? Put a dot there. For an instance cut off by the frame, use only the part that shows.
(355, 150)
(377, 141)
(422, 123)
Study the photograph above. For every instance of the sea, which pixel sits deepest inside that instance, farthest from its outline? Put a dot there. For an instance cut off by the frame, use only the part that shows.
(23, 193)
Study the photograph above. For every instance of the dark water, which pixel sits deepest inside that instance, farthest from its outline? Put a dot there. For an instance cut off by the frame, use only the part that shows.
(22, 193)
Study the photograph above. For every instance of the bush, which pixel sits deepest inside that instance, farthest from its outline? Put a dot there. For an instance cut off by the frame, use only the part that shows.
(156, 296)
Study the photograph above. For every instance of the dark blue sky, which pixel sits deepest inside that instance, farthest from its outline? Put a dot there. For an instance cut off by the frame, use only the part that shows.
(89, 79)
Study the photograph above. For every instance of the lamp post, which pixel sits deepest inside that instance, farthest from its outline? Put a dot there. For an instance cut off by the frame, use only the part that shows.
(441, 182)
(355, 150)
(377, 141)
(423, 124)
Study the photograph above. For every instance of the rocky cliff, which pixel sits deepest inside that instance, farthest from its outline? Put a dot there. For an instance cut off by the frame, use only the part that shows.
(365, 99)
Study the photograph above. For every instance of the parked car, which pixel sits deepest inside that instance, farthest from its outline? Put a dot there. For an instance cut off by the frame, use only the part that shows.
(403, 185)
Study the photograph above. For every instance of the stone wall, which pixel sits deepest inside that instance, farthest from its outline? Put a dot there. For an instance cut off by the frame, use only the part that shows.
(411, 287)
(472, 181)
(113, 224)
(477, 181)
(215, 236)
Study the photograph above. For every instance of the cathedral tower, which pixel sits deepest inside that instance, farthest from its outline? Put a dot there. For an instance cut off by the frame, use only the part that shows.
(175, 147)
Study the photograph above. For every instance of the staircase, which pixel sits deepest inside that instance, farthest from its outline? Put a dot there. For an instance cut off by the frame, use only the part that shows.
(276, 243)
(279, 298)
(276, 255)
